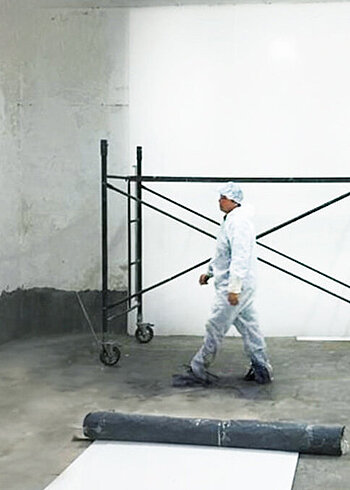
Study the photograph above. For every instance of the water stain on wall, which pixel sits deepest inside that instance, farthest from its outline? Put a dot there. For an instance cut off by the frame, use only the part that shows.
(26, 217)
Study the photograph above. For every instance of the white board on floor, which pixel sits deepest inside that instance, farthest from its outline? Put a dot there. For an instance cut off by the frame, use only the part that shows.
(130, 465)
(323, 339)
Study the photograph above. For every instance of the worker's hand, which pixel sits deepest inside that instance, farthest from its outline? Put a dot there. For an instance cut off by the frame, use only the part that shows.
(233, 298)
(203, 279)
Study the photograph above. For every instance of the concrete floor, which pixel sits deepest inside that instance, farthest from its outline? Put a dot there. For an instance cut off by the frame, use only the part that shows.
(49, 384)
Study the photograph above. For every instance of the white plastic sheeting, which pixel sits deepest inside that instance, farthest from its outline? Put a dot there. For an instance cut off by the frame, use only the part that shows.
(129, 465)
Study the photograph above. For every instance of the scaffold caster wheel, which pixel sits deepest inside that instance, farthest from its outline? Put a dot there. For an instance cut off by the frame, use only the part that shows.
(144, 334)
(109, 355)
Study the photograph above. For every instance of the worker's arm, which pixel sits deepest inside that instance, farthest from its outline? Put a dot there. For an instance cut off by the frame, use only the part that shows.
(204, 278)
(240, 236)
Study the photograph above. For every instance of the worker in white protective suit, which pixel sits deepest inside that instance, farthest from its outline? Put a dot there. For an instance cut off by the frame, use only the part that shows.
(234, 271)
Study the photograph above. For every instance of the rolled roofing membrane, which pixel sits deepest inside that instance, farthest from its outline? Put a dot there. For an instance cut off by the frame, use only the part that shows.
(248, 434)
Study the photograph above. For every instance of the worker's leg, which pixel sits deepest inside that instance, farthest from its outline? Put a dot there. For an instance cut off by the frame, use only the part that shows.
(221, 318)
(247, 325)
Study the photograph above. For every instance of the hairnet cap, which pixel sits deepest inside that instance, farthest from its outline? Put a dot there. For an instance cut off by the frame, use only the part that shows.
(232, 191)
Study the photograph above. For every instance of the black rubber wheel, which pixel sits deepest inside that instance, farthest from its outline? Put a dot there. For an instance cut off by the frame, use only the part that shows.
(144, 335)
(110, 355)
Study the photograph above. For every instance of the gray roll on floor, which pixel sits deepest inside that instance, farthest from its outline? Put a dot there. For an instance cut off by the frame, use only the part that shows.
(248, 434)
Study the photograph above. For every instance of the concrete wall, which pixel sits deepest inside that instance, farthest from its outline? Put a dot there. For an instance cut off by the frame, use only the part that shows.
(48, 311)
(63, 87)
(64, 83)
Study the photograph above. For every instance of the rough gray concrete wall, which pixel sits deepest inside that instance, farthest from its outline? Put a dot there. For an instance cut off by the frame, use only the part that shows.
(47, 311)
(63, 87)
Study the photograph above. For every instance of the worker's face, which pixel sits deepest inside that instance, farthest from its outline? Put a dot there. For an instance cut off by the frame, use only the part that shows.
(226, 205)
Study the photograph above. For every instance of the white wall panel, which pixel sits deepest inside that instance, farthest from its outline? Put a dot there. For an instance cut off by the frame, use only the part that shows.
(245, 90)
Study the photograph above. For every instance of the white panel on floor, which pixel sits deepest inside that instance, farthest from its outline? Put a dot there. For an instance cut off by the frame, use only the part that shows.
(323, 339)
(129, 465)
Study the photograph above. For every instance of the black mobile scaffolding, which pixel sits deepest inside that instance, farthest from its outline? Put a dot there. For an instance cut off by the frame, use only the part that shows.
(110, 353)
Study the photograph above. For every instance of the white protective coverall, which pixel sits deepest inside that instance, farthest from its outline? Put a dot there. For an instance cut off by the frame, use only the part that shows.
(234, 270)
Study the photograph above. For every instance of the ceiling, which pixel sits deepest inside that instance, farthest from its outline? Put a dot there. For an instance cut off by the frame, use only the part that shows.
(150, 3)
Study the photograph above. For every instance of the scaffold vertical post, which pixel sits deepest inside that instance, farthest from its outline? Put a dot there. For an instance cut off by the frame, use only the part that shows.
(138, 247)
(129, 242)
(104, 146)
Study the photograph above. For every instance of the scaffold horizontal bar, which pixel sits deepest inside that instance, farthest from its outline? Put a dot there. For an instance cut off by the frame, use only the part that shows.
(266, 180)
